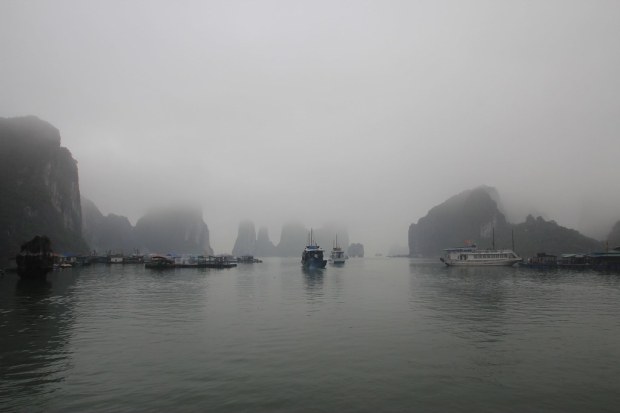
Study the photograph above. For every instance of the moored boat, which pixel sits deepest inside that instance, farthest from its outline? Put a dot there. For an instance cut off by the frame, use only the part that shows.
(35, 258)
(159, 262)
(541, 261)
(606, 261)
(337, 256)
(472, 256)
(574, 261)
(248, 259)
(219, 262)
(312, 256)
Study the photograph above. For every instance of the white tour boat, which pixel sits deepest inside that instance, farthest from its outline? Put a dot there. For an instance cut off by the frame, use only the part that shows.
(337, 254)
(472, 256)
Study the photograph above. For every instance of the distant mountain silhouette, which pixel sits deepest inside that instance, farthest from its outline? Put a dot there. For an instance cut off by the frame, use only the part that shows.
(474, 216)
(174, 230)
(264, 246)
(111, 233)
(39, 188)
(469, 216)
(246, 240)
(537, 235)
(169, 230)
(355, 250)
(293, 239)
(613, 238)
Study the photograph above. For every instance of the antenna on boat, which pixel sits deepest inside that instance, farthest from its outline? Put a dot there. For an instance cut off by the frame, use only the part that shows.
(493, 237)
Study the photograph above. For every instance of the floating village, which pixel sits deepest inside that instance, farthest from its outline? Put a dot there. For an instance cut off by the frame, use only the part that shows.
(36, 259)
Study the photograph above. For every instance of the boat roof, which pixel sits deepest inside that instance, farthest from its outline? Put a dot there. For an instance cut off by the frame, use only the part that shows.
(474, 249)
(313, 248)
(613, 253)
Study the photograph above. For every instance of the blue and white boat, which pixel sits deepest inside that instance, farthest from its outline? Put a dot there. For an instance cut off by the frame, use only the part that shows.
(312, 256)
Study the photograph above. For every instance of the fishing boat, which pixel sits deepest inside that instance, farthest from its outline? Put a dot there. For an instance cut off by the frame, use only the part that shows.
(35, 258)
(312, 256)
(574, 261)
(220, 261)
(190, 261)
(248, 259)
(472, 256)
(542, 260)
(337, 254)
(159, 262)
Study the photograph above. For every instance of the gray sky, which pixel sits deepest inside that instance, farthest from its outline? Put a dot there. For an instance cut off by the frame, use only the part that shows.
(362, 112)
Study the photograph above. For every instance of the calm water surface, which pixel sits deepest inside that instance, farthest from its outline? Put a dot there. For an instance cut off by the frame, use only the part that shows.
(377, 335)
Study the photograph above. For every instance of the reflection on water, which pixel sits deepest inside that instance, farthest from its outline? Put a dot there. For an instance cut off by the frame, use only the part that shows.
(313, 279)
(35, 325)
(387, 335)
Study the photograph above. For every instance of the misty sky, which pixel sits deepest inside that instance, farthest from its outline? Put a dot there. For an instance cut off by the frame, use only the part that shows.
(362, 112)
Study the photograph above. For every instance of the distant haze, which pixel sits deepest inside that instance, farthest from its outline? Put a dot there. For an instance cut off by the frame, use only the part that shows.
(365, 113)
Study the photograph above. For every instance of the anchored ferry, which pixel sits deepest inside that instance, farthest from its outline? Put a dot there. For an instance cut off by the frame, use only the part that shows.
(472, 256)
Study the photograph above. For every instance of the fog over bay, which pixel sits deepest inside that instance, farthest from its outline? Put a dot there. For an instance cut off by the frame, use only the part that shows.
(367, 113)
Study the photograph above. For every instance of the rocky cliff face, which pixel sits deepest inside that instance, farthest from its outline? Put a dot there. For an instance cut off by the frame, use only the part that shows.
(293, 239)
(107, 234)
(537, 235)
(246, 240)
(264, 246)
(474, 216)
(613, 239)
(176, 230)
(172, 230)
(469, 216)
(39, 187)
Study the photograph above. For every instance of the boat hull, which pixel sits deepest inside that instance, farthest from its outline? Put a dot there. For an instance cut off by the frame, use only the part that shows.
(314, 263)
(473, 257)
(506, 263)
(158, 266)
(312, 256)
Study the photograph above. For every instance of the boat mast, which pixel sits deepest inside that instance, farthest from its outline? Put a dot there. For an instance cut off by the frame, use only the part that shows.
(493, 237)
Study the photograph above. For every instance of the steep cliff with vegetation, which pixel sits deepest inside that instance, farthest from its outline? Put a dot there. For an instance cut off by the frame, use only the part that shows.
(469, 216)
(537, 235)
(474, 216)
(39, 188)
